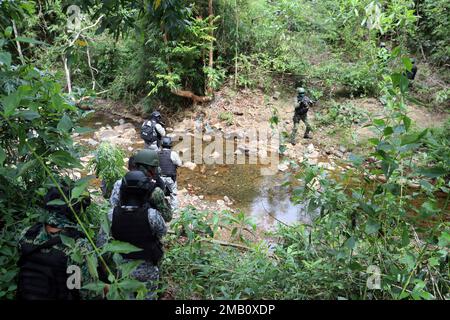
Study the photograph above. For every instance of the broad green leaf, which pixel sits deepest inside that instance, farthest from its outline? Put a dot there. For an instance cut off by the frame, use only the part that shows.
(56, 202)
(433, 172)
(130, 284)
(29, 40)
(407, 63)
(5, 59)
(65, 124)
(372, 226)
(120, 247)
(444, 240)
(11, 103)
(67, 241)
(129, 267)
(78, 190)
(29, 115)
(82, 130)
(406, 122)
(92, 264)
(8, 31)
(63, 158)
(2, 156)
(94, 286)
(350, 243)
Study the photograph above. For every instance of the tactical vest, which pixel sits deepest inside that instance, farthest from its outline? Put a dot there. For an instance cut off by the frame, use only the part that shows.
(43, 269)
(149, 133)
(304, 105)
(132, 226)
(168, 168)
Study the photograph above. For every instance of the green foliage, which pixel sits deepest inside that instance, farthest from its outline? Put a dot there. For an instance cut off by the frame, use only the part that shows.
(108, 165)
(342, 115)
(227, 116)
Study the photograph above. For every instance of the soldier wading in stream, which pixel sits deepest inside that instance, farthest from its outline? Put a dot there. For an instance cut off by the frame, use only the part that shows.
(169, 161)
(152, 131)
(302, 104)
(138, 217)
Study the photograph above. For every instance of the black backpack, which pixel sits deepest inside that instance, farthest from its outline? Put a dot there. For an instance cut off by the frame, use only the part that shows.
(148, 132)
(43, 274)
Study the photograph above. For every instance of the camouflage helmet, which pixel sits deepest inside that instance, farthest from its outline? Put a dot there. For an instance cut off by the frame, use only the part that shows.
(147, 157)
(300, 90)
(156, 115)
(166, 142)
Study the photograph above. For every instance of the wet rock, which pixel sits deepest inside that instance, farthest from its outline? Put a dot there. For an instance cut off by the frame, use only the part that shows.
(124, 127)
(105, 134)
(310, 148)
(314, 155)
(90, 141)
(190, 165)
(129, 134)
(86, 158)
(276, 95)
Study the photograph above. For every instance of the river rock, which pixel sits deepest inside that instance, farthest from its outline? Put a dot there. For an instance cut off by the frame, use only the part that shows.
(124, 127)
(314, 155)
(129, 134)
(190, 165)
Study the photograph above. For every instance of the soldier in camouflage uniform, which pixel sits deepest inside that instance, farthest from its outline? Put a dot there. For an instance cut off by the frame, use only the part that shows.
(146, 162)
(169, 161)
(302, 104)
(44, 259)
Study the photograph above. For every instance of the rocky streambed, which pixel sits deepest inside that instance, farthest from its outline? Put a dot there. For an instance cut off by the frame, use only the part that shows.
(211, 184)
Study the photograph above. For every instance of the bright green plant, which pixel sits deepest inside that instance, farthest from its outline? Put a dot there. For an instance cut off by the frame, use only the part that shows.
(108, 165)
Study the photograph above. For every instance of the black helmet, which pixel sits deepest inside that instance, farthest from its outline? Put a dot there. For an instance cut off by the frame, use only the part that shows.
(156, 115)
(64, 209)
(167, 142)
(135, 189)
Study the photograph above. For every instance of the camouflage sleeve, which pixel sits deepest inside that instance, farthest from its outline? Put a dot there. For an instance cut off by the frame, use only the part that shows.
(115, 194)
(157, 223)
(161, 205)
(296, 103)
(175, 159)
(160, 129)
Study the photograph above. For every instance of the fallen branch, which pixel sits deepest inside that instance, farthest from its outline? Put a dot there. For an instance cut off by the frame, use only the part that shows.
(191, 95)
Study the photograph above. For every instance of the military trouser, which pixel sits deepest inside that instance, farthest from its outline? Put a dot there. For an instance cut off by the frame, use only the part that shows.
(297, 118)
(173, 188)
(149, 275)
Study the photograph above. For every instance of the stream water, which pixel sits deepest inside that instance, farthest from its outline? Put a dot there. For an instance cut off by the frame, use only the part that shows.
(264, 198)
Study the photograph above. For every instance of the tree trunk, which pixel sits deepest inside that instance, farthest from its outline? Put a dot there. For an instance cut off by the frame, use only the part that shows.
(19, 48)
(67, 71)
(209, 89)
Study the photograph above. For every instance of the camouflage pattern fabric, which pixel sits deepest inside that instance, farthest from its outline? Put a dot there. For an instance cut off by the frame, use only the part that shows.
(61, 222)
